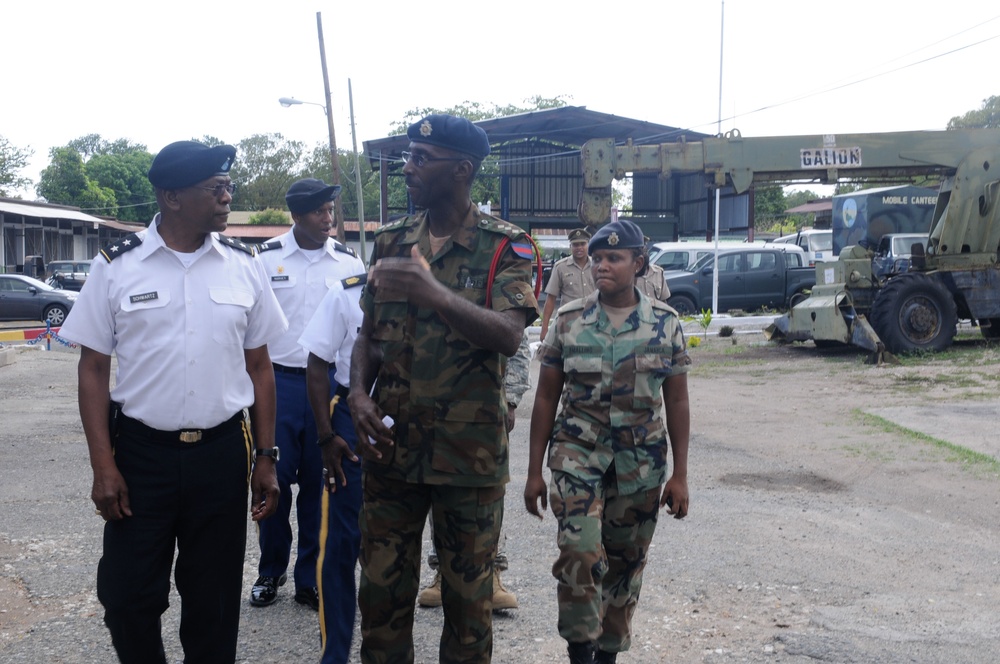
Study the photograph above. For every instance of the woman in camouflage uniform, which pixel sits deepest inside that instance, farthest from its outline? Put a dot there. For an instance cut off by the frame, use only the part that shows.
(610, 356)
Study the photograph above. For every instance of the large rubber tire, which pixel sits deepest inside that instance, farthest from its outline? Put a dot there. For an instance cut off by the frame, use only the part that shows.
(683, 305)
(55, 314)
(914, 312)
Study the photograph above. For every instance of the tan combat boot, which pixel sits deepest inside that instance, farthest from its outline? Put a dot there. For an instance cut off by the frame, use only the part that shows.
(431, 595)
(502, 598)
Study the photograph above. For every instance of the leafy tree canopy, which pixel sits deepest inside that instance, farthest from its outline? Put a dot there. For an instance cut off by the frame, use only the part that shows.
(102, 177)
(266, 165)
(987, 117)
(270, 217)
(473, 110)
(13, 159)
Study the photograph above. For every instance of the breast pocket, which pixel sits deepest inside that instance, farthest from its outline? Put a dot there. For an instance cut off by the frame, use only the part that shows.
(230, 311)
(652, 366)
(584, 373)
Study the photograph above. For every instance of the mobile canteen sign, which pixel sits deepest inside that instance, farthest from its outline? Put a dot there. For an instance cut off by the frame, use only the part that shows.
(830, 157)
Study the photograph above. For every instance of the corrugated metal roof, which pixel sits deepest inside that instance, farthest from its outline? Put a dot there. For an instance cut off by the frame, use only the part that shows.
(569, 125)
(46, 211)
(825, 205)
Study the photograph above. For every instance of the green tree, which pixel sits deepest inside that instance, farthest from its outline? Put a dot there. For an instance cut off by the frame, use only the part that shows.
(13, 160)
(473, 110)
(270, 217)
(126, 175)
(986, 117)
(266, 165)
(769, 207)
(100, 176)
(64, 182)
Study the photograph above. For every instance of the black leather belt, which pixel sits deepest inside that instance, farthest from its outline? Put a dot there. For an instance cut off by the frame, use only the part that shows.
(136, 428)
(297, 371)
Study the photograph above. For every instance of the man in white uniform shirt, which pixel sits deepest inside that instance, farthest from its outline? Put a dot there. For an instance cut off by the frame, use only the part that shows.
(302, 265)
(188, 314)
(329, 338)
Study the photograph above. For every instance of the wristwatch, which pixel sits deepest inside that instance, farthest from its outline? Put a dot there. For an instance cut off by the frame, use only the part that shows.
(272, 452)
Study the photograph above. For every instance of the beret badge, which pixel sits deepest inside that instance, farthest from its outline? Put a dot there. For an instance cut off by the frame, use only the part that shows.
(426, 129)
(613, 239)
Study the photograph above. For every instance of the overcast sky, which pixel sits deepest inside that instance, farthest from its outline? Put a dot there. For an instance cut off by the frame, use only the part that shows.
(155, 72)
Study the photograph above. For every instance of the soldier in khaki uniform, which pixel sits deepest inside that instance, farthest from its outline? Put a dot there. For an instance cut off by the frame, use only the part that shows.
(436, 335)
(610, 357)
(652, 282)
(570, 278)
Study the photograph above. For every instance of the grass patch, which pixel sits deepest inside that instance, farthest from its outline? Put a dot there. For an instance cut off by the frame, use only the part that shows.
(954, 453)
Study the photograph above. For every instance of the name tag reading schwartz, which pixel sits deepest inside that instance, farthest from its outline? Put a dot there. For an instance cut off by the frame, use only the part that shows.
(143, 297)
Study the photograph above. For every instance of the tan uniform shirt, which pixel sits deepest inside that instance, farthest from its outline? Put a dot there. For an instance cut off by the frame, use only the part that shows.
(569, 281)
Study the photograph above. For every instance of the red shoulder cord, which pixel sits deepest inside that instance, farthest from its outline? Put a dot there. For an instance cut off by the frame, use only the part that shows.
(496, 262)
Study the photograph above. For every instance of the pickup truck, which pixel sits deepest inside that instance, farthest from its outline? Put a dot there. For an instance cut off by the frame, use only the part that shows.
(68, 275)
(750, 278)
(892, 256)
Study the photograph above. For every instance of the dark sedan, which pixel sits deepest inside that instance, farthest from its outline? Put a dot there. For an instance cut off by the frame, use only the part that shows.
(24, 298)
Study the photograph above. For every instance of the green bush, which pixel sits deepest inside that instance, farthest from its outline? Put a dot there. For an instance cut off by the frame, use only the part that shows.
(726, 331)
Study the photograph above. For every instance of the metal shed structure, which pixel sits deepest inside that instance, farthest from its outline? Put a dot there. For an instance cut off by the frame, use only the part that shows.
(535, 168)
(54, 232)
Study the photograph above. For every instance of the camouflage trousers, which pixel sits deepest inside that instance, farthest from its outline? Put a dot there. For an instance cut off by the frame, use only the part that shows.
(466, 521)
(603, 545)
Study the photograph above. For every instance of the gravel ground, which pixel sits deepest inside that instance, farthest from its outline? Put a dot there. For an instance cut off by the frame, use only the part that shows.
(839, 513)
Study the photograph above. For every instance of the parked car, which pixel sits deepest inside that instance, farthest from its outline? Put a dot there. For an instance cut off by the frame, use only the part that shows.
(68, 275)
(24, 298)
(817, 243)
(750, 278)
(892, 256)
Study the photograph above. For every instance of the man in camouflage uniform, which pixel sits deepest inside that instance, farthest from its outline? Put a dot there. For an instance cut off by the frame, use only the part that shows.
(515, 383)
(571, 277)
(436, 335)
(607, 451)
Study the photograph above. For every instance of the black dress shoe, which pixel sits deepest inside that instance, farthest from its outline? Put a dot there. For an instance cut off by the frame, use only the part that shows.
(265, 590)
(309, 597)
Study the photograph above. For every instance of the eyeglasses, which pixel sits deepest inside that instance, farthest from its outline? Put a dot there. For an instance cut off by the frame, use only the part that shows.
(217, 190)
(420, 159)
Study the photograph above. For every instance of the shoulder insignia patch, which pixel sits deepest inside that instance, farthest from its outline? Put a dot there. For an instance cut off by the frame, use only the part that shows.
(236, 244)
(396, 225)
(343, 248)
(356, 280)
(115, 249)
(268, 246)
(522, 249)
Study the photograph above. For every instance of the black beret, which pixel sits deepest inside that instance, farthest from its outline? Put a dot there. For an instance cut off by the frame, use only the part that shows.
(616, 235)
(185, 163)
(309, 194)
(449, 131)
(579, 235)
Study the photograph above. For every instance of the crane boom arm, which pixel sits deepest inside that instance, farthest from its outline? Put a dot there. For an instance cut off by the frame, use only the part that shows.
(741, 162)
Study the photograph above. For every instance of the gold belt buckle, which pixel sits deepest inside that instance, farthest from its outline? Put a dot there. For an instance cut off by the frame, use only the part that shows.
(190, 436)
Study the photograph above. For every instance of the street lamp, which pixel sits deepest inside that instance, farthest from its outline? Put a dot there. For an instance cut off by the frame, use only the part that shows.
(338, 211)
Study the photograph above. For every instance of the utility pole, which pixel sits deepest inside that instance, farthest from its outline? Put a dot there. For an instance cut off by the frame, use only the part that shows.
(338, 210)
